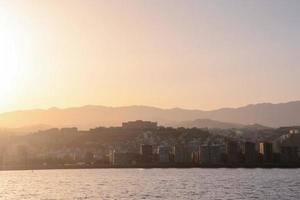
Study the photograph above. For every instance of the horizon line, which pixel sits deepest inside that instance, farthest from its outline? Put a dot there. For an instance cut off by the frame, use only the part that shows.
(141, 105)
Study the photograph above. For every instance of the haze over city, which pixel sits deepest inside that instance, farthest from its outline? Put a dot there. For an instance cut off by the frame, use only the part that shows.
(190, 54)
(149, 99)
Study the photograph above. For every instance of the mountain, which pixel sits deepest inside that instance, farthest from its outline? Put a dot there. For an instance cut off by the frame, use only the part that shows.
(267, 114)
(206, 123)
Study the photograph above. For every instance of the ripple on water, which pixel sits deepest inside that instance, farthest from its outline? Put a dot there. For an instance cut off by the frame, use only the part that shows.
(151, 184)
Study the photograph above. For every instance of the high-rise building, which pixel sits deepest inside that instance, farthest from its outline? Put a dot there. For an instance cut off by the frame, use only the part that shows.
(179, 154)
(210, 154)
(184, 153)
(289, 154)
(231, 150)
(215, 154)
(266, 150)
(146, 152)
(164, 154)
(249, 152)
(204, 154)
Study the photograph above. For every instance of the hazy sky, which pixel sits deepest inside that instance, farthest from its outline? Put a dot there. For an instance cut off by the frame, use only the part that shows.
(192, 54)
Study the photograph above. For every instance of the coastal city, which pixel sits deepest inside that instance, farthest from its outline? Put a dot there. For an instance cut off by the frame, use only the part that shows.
(148, 145)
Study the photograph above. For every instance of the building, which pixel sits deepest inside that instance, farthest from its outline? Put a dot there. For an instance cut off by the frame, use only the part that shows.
(178, 151)
(289, 154)
(277, 145)
(148, 137)
(231, 150)
(139, 124)
(183, 154)
(146, 150)
(249, 152)
(146, 154)
(294, 131)
(215, 154)
(164, 154)
(189, 152)
(204, 155)
(266, 150)
(209, 154)
(123, 159)
(89, 157)
(69, 130)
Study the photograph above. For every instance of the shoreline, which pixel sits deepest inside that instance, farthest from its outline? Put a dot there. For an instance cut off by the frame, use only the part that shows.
(58, 167)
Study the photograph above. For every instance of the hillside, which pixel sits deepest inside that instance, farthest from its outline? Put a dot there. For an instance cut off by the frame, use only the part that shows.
(272, 115)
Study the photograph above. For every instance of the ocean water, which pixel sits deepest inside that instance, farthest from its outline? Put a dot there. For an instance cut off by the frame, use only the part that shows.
(151, 184)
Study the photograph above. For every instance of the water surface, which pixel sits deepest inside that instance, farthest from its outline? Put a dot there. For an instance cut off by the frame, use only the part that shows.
(151, 184)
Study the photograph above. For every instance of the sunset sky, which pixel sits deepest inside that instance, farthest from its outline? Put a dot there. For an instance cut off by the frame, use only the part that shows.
(165, 53)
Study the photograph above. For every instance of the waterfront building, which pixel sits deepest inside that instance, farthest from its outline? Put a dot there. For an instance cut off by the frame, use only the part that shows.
(189, 150)
(277, 145)
(215, 154)
(294, 131)
(210, 154)
(249, 152)
(184, 154)
(123, 159)
(204, 154)
(196, 158)
(289, 154)
(178, 151)
(266, 150)
(164, 154)
(231, 150)
(146, 154)
(89, 157)
(146, 150)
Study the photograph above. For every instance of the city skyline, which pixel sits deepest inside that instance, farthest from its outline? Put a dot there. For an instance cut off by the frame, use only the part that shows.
(192, 54)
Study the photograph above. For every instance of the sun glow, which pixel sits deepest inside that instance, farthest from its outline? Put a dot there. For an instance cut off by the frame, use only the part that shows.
(12, 51)
(9, 63)
(192, 55)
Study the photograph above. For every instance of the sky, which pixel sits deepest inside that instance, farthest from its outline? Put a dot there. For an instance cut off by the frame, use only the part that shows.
(191, 53)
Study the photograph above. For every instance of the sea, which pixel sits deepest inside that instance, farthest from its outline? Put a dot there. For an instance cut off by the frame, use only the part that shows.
(197, 183)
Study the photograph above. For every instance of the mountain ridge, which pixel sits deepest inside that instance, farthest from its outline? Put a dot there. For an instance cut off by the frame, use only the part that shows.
(89, 116)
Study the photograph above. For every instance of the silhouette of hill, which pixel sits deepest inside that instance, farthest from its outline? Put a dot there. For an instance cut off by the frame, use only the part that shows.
(206, 123)
(267, 114)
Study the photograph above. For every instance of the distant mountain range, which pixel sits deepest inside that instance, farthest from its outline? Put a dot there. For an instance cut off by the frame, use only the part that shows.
(205, 123)
(266, 114)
